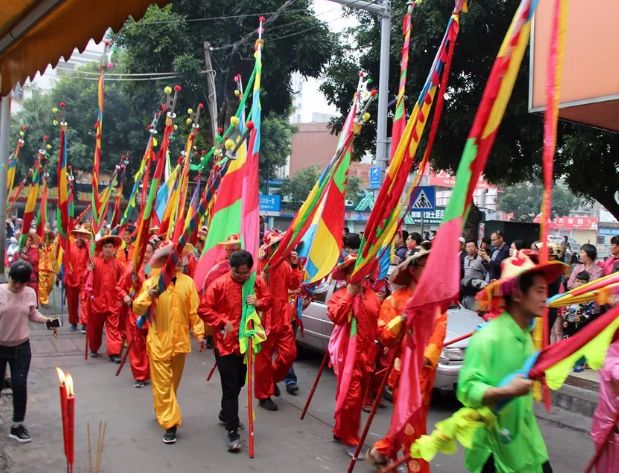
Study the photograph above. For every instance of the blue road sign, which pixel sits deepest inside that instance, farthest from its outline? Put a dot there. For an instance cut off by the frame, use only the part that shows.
(375, 173)
(424, 199)
(270, 203)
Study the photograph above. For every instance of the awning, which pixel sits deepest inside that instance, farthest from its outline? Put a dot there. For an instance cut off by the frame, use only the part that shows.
(34, 34)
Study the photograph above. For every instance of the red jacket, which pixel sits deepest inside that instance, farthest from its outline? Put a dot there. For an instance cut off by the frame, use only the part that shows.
(76, 266)
(280, 280)
(223, 303)
(32, 256)
(340, 307)
(104, 279)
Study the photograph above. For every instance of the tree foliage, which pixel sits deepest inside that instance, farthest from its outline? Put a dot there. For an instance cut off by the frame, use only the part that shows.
(524, 200)
(516, 155)
(295, 189)
(169, 40)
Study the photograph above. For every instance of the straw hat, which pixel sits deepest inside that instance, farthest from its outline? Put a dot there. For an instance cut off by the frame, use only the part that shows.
(402, 277)
(342, 270)
(512, 269)
(115, 240)
(81, 231)
(271, 237)
(154, 230)
(166, 250)
(232, 240)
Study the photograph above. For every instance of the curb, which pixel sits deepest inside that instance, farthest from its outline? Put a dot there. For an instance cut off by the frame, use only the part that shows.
(576, 399)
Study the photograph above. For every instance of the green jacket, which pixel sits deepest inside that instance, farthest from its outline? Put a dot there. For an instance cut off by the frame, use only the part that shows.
(499, 349)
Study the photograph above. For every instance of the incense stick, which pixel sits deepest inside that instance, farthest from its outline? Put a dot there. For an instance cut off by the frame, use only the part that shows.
(89, 448)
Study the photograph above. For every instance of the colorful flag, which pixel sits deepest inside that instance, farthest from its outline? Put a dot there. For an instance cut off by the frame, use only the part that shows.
(306, 213)
(31, 201)
(96, 202)
(386, 214)
(434, 293)
(10, 176)
(63, 222)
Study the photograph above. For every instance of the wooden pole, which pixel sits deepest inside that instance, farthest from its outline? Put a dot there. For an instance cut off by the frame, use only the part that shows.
(250, 395)
(598, 453)
(124, 358)
(458, 339)
(211, 372)
(325, 360)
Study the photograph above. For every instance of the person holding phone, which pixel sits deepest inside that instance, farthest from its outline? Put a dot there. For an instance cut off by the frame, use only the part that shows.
(18, 305)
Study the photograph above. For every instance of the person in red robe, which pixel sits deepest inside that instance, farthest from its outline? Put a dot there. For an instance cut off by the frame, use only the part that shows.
(75, 272)
(354, 309)
(105, 273)
(128, 287)
(30, 253)
(221, 309)
(127, 247)
(280, 341)
(390, 332)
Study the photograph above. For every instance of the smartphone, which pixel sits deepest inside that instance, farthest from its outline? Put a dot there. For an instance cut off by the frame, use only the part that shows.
(54, 323)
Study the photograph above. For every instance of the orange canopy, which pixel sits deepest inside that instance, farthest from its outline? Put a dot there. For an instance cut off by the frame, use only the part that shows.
(34, 34)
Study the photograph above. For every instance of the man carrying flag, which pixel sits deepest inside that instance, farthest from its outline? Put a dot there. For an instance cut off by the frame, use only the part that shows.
(354, 309)
(75, 270)
(136, 336)
(105, 272)
(496, 351)
(221, 309)
(390, 332)
(173, 314)
(278, 324)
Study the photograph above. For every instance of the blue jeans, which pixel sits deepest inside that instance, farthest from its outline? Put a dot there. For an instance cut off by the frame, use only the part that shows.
(291, 377)
(18, 358)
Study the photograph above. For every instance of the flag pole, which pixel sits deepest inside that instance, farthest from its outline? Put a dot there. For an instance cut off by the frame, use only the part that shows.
(325, 360)
(250, 394)
(124, 358)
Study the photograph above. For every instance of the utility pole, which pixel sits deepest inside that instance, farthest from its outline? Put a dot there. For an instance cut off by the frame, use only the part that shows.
(212, 93)
(383, 10)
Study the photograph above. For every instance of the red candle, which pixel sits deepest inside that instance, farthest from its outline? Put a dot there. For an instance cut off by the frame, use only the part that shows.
(63, 406)
(70, 422)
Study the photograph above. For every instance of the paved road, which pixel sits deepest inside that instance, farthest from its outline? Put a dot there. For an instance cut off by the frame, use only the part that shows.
(133, 440)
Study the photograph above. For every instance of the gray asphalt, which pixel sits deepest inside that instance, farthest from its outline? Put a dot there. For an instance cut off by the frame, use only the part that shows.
(133, 439)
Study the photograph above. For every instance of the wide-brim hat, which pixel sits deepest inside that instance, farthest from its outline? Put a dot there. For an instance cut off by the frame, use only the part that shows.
(155, 230)
(343, 270)
(402, 277)
(512, 269)
(82, 231)
(232, 240)
(164, 251)
(115, 240)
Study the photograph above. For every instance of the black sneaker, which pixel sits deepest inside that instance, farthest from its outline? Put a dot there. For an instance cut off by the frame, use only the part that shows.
(83, 329)
(234, 441)
(94, 354)
(73, 328)
(276, 390)
(170, 435)
(115, 359)
(268, 404)
(139, 384)
(222, 421)
(292, 388)
(20, 433)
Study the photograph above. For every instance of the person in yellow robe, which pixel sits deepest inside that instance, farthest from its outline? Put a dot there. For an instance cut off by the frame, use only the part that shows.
(173, 314)
(47, 266)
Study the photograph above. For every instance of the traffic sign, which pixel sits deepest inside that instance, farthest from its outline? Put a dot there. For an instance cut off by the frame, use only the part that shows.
(375, 173)
(423, 199)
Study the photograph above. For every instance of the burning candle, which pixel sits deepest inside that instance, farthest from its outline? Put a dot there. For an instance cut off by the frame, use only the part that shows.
(70, 421)
(63, 406)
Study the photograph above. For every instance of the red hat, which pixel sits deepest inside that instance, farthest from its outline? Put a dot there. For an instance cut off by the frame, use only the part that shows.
(232, 240)
(271, 237)
(115, 240)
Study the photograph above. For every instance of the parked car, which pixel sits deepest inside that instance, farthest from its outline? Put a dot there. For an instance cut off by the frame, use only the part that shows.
(317, 329)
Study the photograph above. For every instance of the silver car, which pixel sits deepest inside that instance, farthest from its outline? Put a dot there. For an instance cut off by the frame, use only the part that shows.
(317, 329)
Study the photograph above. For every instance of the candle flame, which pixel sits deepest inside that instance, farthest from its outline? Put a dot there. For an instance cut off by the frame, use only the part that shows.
(61, 376)
(69, 384)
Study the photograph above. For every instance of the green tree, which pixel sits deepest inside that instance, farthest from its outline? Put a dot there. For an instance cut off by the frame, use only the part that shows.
(524, 200)
(295, 189)
(275, 144)
(516, 155)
